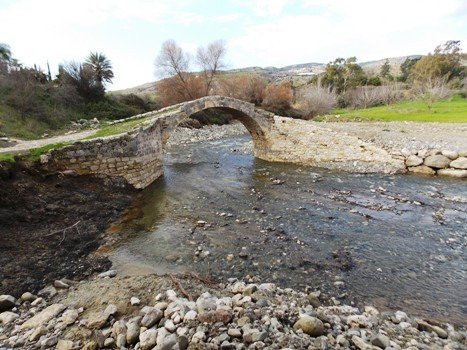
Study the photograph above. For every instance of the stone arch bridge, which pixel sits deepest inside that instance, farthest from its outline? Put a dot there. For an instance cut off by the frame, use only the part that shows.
(136, 156)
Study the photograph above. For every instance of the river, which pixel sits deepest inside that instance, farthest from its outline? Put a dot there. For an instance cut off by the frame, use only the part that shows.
(393, 241)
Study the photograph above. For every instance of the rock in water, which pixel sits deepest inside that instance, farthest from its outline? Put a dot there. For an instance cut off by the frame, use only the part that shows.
(422, 169)
(310, 325)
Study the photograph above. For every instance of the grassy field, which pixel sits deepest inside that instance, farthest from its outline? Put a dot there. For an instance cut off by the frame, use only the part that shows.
(453, 110)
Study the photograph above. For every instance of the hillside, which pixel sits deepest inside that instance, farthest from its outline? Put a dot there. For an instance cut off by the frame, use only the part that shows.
(298, 72)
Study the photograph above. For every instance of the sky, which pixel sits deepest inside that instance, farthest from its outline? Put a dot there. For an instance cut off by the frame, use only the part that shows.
(256, 32)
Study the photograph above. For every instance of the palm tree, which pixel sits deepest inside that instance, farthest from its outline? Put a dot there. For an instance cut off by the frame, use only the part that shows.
(5, 53)
(101, 67)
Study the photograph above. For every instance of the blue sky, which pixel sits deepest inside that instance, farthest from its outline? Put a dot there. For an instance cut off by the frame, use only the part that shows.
(257, 32)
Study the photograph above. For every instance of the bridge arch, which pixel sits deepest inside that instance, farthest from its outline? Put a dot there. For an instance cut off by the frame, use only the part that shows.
(257, 122)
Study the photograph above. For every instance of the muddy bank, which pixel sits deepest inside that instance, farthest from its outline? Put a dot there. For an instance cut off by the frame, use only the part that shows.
(50, 224)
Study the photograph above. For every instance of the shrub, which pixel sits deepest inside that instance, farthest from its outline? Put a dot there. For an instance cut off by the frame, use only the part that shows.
(246, 87)
(432, 90)
(278, 98)
(316, 100)
(369, 96)
(173, 90)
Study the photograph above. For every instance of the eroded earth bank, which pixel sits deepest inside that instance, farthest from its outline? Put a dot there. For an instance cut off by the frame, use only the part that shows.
(332, 243)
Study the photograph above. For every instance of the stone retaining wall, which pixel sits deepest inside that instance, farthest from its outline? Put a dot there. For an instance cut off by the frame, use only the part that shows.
(434, 161)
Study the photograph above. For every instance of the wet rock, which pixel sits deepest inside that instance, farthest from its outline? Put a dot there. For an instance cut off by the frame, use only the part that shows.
(310, 325)
(7, 302)
(44, 316)
(437, 161)
(459, 163)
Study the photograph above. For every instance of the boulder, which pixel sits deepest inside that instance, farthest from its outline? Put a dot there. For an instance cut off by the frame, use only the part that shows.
(44, 316)
(425, 326)
(459, 163)
(437, 161)
(99, 319)
(413, 160)
(450, 154)
(310, 325)
(453, 172)
(7, 302)
(422, 169)
(147, 339)
(64, 345)
(7, 317)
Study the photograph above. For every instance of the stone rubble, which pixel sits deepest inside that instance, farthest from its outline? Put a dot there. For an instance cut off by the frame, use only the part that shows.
(237, 316)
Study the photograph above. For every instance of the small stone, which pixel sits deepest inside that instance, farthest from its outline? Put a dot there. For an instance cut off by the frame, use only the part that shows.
(169, 325)
(37, 333)
(425, 326)
(132, 333)
(229, 257)
(49, 342)
(121, 341)
(243, 253)
(108, 274)
(70, 316)
(234, 332)
(254, 335)
(99, 319)
(27, 296)
(310, 325)
(109, 342)
(61, 285)
(7, 302)
(148, 338)
(380, 340)
(64, 345)
(151, 318)
(48, 292)
(360, 344)
(134, 301)
(190, 316)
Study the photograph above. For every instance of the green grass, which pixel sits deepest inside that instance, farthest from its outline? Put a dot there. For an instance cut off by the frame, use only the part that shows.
(118, 128)
(7, 157)
(32, 155)
(453, 110)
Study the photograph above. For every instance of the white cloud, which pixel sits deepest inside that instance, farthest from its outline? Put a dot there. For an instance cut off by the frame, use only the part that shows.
(363, 28)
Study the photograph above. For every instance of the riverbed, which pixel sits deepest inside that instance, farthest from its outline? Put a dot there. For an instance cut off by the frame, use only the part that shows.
(393, 241)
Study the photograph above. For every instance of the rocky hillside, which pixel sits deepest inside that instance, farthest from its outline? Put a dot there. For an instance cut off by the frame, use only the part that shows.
(296, 71)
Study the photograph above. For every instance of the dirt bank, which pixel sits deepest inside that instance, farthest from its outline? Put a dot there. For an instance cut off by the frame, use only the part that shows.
(49, 225)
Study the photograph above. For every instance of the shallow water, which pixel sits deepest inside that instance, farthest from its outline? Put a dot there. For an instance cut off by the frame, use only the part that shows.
(395, 241)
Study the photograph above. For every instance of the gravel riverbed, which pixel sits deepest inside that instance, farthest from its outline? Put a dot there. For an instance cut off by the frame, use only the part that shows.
(172, 312)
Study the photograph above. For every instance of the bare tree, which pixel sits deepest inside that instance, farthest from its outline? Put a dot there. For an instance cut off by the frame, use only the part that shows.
(316, 100)
(172, 61)
(432, 90)
(210, 60)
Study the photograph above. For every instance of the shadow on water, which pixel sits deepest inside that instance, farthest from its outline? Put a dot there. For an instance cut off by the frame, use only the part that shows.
(395, 241)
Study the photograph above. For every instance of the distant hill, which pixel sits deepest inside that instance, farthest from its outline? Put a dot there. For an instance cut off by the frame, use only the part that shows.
(300, 73)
